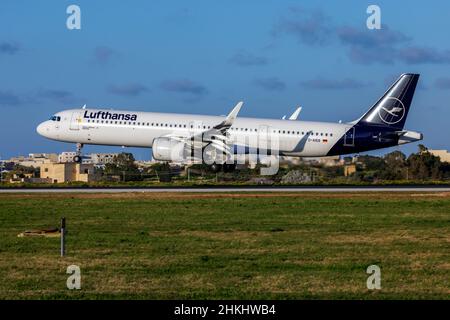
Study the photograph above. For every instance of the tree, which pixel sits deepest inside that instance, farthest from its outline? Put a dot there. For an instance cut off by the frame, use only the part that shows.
(124, 165)
(423, 165)
(395, 166)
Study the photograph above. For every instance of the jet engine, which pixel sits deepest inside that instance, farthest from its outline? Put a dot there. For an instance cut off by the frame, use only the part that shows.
(167, 149)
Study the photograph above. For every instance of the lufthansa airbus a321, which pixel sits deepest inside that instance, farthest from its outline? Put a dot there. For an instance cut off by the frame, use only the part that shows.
(177, 137)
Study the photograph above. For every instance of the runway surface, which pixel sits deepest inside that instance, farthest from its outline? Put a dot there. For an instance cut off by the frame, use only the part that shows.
(229, 189)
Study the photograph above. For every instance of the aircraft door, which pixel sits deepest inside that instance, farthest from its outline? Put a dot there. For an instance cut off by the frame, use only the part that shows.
(349, 138)
(75, 121)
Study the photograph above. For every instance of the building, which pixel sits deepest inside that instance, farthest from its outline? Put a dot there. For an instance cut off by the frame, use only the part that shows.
(349, 169)
(93, 158)
(65, 157)
(100, 158)
(67, 172)
(34, 159)
(443, 154)
(53, 157)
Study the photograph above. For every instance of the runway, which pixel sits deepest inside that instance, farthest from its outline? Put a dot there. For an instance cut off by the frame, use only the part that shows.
(226, 189)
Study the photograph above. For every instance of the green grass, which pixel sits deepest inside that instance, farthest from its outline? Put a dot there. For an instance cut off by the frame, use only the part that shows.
(258, 246)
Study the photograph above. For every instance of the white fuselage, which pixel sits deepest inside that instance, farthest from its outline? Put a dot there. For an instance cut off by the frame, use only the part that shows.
(87, 126)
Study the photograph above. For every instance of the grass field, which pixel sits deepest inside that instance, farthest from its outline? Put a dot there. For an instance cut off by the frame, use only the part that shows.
(228, 246)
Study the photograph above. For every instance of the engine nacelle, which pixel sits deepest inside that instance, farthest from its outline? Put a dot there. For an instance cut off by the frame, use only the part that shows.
(167, 149)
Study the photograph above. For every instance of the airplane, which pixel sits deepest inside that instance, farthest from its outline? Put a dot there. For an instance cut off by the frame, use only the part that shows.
(176, 137)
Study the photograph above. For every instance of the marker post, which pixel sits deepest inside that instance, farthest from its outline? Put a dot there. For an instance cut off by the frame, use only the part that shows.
(63, 236)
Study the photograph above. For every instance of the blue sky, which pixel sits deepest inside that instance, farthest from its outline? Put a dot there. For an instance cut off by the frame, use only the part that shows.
(204, 56)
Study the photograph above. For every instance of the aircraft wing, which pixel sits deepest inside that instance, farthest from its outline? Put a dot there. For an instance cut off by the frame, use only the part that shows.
(216, 136)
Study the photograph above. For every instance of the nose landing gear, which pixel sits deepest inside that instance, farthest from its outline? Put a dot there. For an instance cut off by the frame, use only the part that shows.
(78, 158)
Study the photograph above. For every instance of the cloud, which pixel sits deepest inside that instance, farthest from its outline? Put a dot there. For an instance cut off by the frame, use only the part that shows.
(369, 46)
(418, 55)
(311, 27)
(364, 46)
(243, 59)
(365, 38)
(271, 84)
(387, 46)
(56, 95)
(8, 98)
(442, 83)
(131, 89)
(10, 48)
(103, 54)
(184, 86)
(328, 84)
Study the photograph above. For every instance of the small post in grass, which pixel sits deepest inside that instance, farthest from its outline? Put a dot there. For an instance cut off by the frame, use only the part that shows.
(63, 236)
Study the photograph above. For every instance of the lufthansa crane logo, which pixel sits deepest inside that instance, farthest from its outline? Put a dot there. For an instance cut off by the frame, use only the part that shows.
(392, 111)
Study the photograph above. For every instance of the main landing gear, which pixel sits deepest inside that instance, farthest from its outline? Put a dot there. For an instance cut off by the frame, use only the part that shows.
(77, 158)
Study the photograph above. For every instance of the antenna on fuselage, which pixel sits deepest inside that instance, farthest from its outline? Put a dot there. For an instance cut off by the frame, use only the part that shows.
(84, 107)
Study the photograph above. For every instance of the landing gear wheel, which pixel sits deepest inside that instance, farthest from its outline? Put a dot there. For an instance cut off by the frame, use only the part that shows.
(77, 159)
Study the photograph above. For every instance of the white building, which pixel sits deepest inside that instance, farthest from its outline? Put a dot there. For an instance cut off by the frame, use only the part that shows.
(92, 158)
(66, 156)
(443, 154)
(100, 158)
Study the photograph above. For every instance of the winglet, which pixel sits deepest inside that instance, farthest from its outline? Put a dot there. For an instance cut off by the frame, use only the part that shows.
(233, 114)
(294, 116)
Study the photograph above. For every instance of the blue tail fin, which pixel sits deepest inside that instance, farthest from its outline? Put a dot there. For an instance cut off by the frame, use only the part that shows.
(392, 108)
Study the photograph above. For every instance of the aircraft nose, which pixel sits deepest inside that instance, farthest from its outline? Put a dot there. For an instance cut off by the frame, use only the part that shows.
(42, 129)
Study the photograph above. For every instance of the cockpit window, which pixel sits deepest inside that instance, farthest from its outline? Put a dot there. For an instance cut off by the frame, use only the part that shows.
(55, 118)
